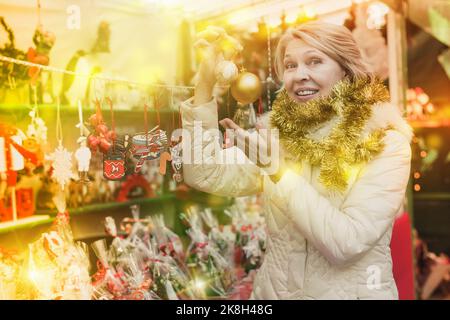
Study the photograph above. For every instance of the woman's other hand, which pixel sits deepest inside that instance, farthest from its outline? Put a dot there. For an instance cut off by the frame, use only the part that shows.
(261, 146)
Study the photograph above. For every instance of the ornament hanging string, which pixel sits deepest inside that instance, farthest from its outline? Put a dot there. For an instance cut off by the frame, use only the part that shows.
(35, 106)
(157, 105)
(228, 103)
(59, 133)
(173, 120)
(171, 108)
(269, 79)
(39, 12)
(260, 107)
(80, 118)
(113, 124)
(146, 123)
(98, 110)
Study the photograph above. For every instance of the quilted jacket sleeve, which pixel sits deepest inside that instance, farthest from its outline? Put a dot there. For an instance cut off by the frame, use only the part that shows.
(206, 166)
(344, 234)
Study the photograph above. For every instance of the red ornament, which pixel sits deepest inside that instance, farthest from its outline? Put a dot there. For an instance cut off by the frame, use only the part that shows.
(111, 135)
(101, 129)
(93, 142)
(102, 137)
(130, 187)
(114, 166)
(105, 145)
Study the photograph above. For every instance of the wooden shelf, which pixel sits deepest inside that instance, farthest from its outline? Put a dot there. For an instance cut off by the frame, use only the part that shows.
(48, 216)
(24, 223)
(109, 205)
(432, 196)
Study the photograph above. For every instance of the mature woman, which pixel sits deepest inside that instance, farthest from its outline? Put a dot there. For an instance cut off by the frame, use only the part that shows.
(341, 177)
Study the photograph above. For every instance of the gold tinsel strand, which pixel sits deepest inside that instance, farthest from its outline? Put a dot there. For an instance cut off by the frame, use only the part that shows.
(352, 103)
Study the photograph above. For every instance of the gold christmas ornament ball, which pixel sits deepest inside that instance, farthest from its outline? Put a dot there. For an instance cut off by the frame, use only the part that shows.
(247, 88)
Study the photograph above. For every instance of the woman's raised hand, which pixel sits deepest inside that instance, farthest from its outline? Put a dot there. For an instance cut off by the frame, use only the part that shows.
(215, 45)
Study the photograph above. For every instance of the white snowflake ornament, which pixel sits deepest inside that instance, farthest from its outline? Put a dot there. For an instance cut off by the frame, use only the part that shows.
(62, 165)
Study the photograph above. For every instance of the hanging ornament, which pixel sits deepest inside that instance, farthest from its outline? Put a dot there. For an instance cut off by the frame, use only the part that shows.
(245, 117)
(61, 158)
(226, 72)
(134, 186)
(101, 138)
(44, 41)
(62, 165)
(269, 79)
(114, 165)
(83, 153)
(148, 146)
(37, 128)
(177, 161)
(165, 156)
(83, 156)
(247, 88)
(36, 136)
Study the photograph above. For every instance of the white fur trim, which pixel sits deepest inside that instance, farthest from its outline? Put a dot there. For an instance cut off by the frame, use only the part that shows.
(385, 114)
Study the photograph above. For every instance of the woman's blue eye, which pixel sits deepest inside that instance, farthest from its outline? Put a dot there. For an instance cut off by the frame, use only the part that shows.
(315, 61)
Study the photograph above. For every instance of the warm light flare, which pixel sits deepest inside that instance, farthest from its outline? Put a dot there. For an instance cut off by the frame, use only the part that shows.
(291, 18)
(310, 13)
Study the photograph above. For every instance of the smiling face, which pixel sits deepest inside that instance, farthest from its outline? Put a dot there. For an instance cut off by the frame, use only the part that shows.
(308, 72)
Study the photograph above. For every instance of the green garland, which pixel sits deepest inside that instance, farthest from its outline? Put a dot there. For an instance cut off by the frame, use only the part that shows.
(345, 146)
(8, 70)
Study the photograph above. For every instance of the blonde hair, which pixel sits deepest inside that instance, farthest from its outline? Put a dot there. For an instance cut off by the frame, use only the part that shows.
(335, 41)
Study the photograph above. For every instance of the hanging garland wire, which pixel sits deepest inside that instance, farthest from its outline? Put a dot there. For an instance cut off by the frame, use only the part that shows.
(269, 79)
(59, 132)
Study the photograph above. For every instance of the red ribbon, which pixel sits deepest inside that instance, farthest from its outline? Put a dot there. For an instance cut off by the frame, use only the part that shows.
(157, 106)
(146, 123)
(113, 124)
(260, 106)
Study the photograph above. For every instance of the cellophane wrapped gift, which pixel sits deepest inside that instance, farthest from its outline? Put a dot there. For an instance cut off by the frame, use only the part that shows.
(57, 267)
(10, 263)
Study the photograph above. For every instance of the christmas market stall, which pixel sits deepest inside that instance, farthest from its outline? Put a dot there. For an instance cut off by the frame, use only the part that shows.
(93, 198)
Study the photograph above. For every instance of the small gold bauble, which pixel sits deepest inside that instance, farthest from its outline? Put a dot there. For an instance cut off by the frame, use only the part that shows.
(247, 88)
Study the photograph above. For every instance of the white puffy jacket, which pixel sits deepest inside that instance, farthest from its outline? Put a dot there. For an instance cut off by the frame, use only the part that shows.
(320, 244)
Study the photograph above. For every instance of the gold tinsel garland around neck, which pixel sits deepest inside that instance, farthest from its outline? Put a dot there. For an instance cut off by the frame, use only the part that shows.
(351, 102)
